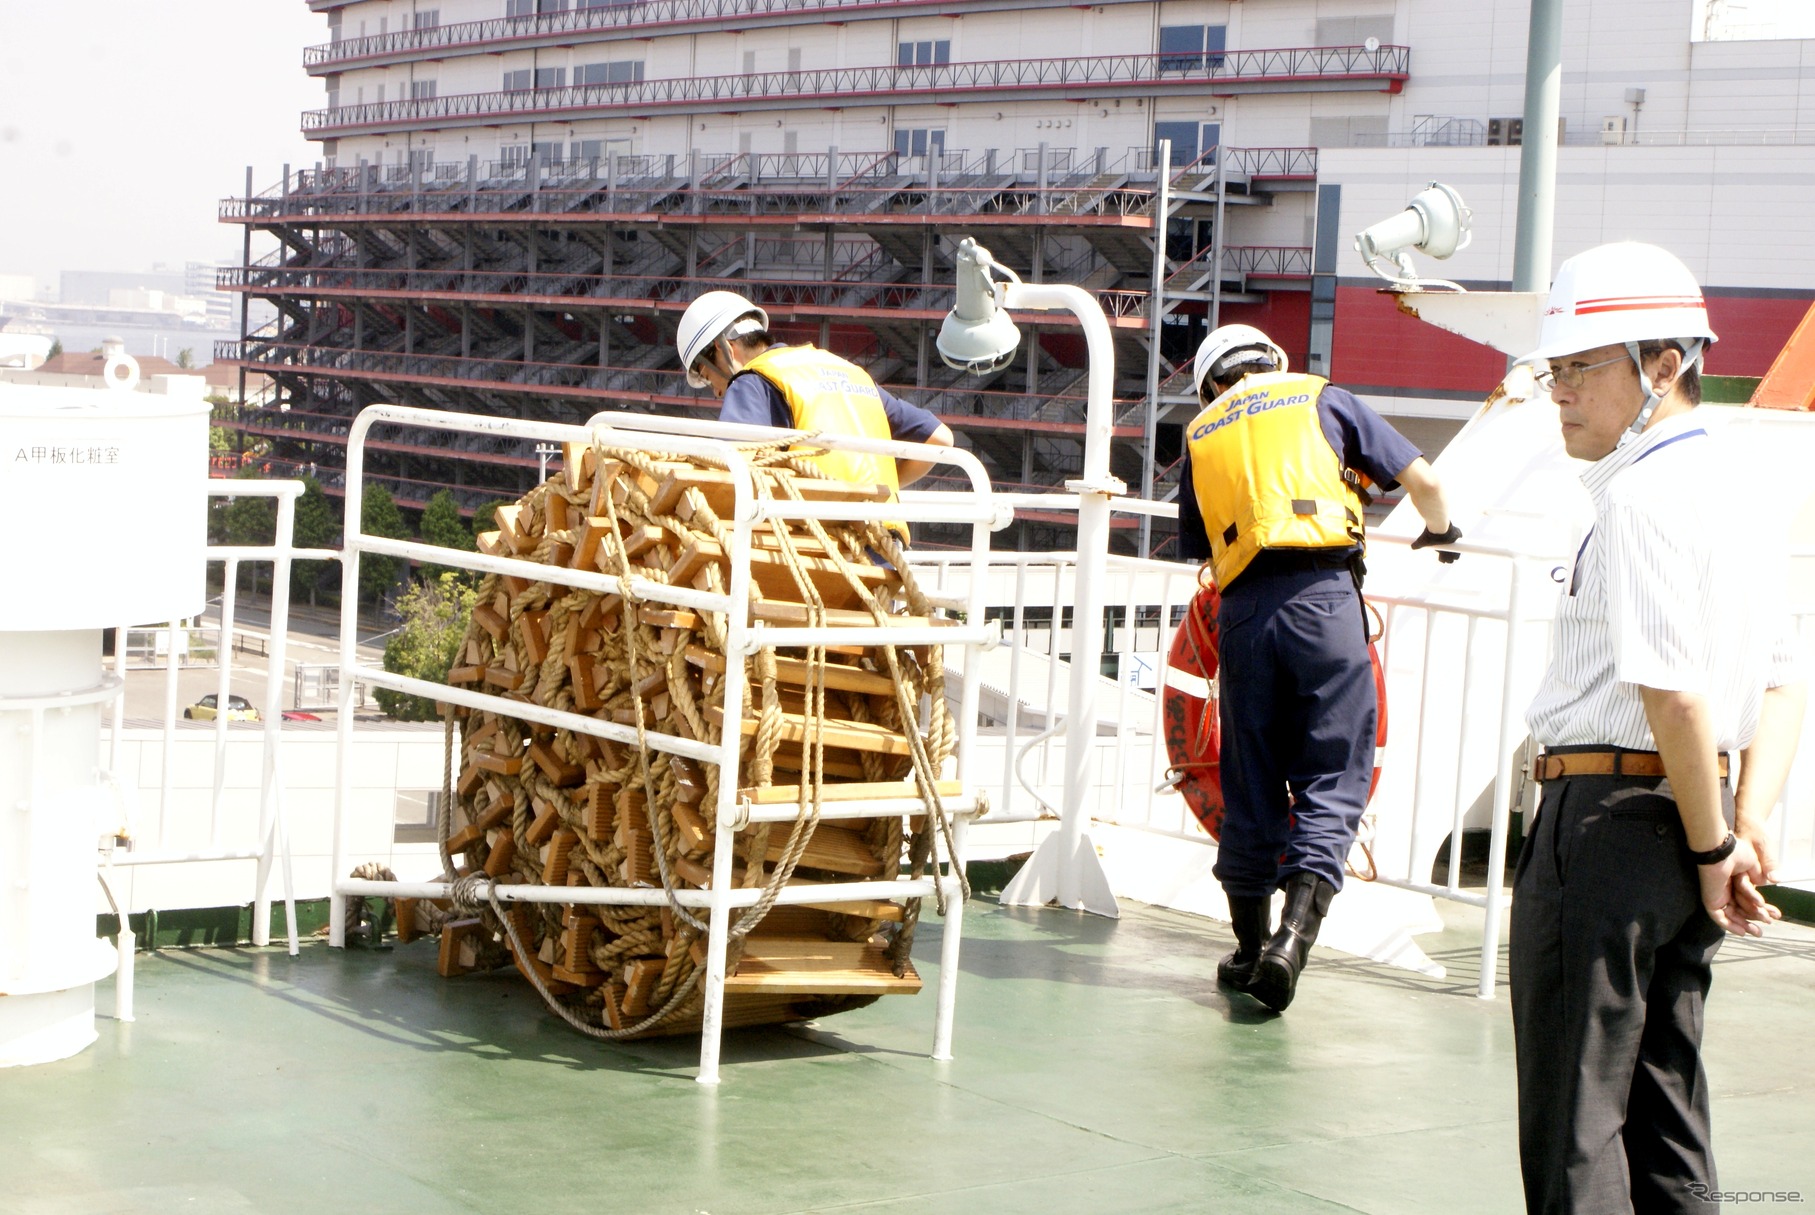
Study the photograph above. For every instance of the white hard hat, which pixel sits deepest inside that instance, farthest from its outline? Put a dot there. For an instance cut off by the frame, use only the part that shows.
(705, 321)
(1619, 293)
(1226, 340)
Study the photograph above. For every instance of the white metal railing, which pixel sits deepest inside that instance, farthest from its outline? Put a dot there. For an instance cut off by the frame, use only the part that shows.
(269, 843)
(717, 442)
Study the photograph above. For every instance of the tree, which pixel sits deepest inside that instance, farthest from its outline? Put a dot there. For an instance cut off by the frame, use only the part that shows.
(442, 525)
(379, 516)
(185, 358)
(435, 616)
(317, 525)
(251, 522)
(56, 349)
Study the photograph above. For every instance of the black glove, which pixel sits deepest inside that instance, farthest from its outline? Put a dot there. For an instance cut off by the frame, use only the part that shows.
(1428, 537)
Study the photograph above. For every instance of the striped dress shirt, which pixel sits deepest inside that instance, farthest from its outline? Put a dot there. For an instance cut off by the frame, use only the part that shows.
(1675, 588)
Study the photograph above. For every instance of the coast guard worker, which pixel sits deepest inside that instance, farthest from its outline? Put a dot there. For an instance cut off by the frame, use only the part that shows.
(724, 343)
(1671, 651)
(1274, 466)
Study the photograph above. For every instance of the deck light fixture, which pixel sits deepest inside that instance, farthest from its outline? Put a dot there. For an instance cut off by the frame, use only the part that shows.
(978, 335)
(1435, 222)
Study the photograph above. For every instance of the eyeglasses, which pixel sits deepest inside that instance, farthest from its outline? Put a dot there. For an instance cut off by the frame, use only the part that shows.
(1572, 374)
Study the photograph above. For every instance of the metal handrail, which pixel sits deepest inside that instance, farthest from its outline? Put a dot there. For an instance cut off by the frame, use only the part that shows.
(785, 89)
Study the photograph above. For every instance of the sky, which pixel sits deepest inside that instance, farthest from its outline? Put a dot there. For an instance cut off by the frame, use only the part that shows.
(124, 122)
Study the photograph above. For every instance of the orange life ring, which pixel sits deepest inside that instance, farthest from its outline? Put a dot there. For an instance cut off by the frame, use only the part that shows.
(1191, 720)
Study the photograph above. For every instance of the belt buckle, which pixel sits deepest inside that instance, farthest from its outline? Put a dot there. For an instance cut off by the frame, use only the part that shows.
(1548, 768)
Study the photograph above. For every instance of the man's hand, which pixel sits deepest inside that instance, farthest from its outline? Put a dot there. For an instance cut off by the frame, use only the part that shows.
(1730, 893)
(1449, 535)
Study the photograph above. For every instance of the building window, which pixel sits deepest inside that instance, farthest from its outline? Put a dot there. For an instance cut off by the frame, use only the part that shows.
(1191, 48)
(415, 817)
(919, 141)
(422, 90)
(427, 18)
(513, 154)
(546, 151)
(616, 71)
(1190, 140)
(518, 81)
(551, 78)
(923, 54)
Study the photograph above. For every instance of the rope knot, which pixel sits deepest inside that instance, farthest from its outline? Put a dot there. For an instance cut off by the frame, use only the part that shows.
(467, 895)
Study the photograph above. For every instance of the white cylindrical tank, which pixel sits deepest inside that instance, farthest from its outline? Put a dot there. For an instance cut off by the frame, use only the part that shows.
(107, 489)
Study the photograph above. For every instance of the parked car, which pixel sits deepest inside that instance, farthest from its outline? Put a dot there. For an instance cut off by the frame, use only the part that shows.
(207, 709)
(299, 715)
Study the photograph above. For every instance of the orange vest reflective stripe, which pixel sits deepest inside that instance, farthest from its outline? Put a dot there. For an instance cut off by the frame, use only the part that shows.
(830, 395)
(1266, 476)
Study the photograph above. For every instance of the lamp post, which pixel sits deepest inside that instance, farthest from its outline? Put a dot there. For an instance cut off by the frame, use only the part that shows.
(979, 336)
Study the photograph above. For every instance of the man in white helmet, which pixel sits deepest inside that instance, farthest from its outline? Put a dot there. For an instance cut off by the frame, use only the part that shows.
(1672, 650)
(724, 344)
(1274, 473)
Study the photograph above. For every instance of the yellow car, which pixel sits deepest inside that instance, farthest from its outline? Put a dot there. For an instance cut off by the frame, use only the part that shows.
(207, 709)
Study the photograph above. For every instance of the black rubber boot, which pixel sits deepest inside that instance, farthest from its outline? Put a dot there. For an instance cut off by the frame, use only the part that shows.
(1276, 974)
(1251, 918)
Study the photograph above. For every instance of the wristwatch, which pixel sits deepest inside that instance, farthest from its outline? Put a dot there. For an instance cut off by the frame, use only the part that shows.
(1716, 855)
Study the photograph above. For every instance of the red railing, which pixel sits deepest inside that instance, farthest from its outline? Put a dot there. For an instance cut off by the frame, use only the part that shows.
(1384, 67)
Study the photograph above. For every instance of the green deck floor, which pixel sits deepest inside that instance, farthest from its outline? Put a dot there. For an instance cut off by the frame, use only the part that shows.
(1098, 1070)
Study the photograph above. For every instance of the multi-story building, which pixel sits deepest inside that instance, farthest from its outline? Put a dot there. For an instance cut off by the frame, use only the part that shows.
(517, 198)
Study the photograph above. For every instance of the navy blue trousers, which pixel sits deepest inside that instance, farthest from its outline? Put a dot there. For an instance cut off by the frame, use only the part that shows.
(1298, 714)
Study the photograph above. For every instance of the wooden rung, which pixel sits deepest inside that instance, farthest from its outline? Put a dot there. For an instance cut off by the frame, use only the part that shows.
(776, 578)
(535, 635)
(494, 813)
(836, 765)
(699, 552)
(491, 544)
(554, 869)
(461, 676)
(580, 978)
(578, 464)
(503, 677)
(601, 811)
(459, 952)
(583, 678)
(692, 872)
(465, 838)
(689, 784)
(639, 857)
(869, 909)
(542, 827)
(790, 920)
(406, 921)
(690, 827)
(715, 485)
(470, 776)
(510, 526)
(854, 791)
(489, 620)
(851, 735)
(504, 850)
(640, 978)
(777, 965)
(639, 540)
(503, 765)
(561, 773)
(771, 611)
(483, 731)
(796, 671)
(836, 849)
(592, 536)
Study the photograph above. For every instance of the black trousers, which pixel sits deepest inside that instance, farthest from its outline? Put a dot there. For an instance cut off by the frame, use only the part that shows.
(1610, 963)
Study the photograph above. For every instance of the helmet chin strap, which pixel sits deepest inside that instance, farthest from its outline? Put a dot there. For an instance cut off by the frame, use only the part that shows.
(1652, 400)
